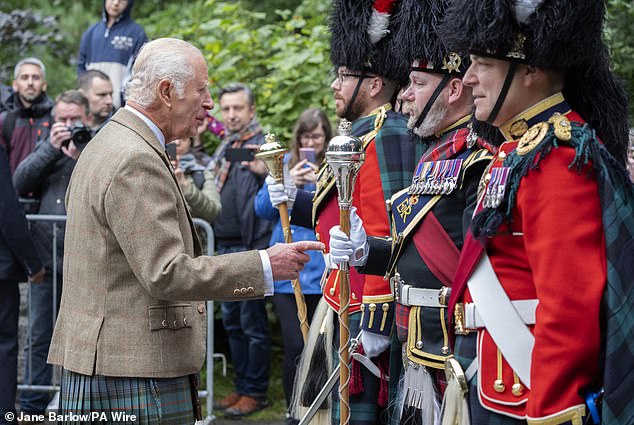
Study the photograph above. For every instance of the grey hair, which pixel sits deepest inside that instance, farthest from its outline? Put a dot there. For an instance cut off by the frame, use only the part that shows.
(29, 61)
(164, 58)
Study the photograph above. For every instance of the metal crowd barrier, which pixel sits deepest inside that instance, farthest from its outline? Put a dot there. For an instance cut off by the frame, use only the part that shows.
(207, 394)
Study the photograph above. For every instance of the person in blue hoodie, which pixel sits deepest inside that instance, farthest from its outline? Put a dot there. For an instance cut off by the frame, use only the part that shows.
(312, 131)
(111, 45)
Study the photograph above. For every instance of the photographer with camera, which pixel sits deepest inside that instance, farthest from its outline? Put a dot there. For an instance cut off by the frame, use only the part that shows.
(46, 173)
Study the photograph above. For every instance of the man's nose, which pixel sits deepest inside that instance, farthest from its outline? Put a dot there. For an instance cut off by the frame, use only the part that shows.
(469, 77)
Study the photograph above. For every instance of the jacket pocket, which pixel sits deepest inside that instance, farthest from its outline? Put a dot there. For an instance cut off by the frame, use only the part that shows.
(170, 316)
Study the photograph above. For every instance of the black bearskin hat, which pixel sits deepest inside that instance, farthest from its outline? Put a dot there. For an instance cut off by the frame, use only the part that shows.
(361, 32)
(558, 35)
(416, 38)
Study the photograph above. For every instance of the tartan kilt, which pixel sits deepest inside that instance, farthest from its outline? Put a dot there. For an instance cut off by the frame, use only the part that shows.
(150, 400)
(364, 409)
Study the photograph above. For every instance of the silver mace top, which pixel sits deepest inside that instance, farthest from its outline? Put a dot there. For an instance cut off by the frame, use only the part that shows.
(344, 157)
(272, 153)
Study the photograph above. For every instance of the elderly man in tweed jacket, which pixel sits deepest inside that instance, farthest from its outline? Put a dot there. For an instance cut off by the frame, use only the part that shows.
(127, 338)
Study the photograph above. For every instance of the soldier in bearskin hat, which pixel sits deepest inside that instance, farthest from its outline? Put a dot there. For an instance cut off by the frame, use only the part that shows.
(542, 297)
(367, 79)
(430, 217)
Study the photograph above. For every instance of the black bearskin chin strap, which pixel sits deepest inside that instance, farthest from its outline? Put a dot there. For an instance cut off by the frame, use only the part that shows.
(432, 99)
(354, 96)
(502, 96)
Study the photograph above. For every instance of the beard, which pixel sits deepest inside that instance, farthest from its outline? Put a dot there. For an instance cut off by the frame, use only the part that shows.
(432, 121)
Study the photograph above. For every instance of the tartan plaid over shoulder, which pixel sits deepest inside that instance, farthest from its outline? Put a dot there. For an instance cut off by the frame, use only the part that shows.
(617, 199)
(396, 152)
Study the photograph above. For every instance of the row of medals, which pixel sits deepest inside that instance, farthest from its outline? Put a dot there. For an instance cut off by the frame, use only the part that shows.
(435, 177)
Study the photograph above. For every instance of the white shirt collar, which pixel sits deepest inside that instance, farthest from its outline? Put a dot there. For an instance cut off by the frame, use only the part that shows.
(157, 131)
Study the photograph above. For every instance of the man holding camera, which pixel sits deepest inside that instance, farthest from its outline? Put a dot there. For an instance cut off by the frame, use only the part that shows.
(45, 174)
(237, 229)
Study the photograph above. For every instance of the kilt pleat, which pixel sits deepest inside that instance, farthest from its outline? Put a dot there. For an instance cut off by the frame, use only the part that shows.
(121, 400)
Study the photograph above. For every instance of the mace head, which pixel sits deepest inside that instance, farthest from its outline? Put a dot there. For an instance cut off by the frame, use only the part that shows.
(344, 157)
(272, 153)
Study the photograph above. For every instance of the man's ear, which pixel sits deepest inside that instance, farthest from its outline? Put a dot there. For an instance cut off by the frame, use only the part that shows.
(455, 88)
(376, 86)
(530, 75)
(165, 92)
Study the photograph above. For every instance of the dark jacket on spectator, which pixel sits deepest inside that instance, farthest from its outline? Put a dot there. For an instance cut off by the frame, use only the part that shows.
(30, 125)
(46, 173)
(237, 223)
(18, 256)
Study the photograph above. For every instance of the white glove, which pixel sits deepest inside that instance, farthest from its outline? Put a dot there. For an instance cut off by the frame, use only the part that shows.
(374, 344)
(353, 249)
(280, 193)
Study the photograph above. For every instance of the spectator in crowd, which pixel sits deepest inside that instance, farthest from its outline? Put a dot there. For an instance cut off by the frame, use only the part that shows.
(97, 88)
(18, 259)
(46, 172)
(130, 335)
(196, 182)
(28, 116)
(197, 148)
(111, 45)
(237, 228)
(312, 131)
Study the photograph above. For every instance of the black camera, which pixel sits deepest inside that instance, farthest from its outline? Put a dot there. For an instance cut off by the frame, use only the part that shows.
(80, 134)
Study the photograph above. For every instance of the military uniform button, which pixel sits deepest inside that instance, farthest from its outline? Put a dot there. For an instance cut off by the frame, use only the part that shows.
(444, 350)
(419, 344)
(201, 308)
(332, 291)
(502, 155)
(236, 291)
(175, 324)
(250, 290)
(354, 296)
(165, 323)
(487, 177)
(243, 291)
(517, 389)
(499, 386)
(185, 321)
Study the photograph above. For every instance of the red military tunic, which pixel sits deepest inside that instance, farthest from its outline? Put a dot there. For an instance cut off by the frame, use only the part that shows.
(553, 251)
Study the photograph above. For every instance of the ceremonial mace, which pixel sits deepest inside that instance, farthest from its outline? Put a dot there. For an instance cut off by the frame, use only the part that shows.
(344, 157)
(272, 153)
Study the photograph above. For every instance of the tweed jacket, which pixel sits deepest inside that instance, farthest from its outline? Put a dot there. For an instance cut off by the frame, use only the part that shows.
(132, 264)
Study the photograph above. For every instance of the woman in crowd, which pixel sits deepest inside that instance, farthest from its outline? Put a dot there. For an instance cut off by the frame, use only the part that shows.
(307, 148)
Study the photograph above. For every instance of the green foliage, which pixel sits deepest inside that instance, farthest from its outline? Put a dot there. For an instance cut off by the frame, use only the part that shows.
(281, 55)
(620, 38)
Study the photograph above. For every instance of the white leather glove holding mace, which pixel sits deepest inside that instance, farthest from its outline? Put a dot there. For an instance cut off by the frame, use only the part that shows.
(272, 153)
(344, 157)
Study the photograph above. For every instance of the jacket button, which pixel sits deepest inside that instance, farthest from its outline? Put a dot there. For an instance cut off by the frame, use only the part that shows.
(201, 308)
(165, 323)
(332, 291)
(354, 296)
(236, 291)
(243, 291)
(250, 290)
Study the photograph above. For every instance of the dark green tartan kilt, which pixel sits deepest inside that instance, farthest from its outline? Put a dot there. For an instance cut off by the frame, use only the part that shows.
(364, 408)
(106, 399)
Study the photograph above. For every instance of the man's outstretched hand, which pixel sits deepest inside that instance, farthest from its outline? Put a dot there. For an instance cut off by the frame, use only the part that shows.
(288, 259)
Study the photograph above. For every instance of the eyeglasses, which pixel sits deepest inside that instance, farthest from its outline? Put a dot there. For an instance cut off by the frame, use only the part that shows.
(314, 136)
(343, 76)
